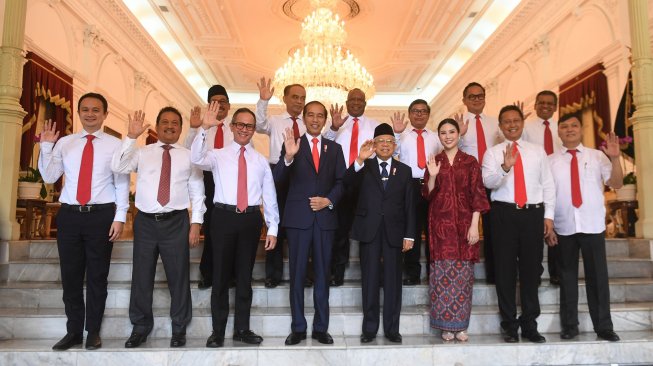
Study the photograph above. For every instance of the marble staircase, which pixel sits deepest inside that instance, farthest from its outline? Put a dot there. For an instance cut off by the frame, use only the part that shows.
(32, 319)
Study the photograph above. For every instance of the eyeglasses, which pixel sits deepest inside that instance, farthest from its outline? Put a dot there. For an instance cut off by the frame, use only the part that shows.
(242, 126)
(419, 111)
(385, 141)
(476, 96)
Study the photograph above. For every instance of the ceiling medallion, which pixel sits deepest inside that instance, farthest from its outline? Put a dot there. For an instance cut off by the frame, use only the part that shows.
(299, 9)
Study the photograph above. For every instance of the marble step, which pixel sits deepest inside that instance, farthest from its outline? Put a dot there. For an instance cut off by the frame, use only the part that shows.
(121, 269)
(635, 347)
(51, 323)
(49, 294)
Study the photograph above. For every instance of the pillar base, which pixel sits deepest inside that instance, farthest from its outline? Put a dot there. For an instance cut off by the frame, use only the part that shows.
(9, 230)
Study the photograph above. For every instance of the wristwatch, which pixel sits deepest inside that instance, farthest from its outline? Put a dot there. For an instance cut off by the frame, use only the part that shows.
(330, 206)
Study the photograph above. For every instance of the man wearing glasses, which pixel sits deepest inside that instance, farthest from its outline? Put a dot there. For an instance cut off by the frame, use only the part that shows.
(415, 144)
(243, 181)
(478, 133)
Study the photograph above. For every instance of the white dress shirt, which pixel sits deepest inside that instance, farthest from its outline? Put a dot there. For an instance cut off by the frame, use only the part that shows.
(186, 180)
(224, 165)
(407, 148)
(491, 131)
(594, 169)
(534, 132)
(106, 186)
(228, 136)
(275, 127)
(537, 176)
(366, 128)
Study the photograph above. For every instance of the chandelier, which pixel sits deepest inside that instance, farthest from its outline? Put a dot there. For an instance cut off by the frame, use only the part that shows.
(323, 66)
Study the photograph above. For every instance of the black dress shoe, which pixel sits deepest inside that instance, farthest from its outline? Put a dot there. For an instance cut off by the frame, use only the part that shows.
(322, 337)
(214, 341)
(247, 336)
(608, 335)
(294, 338)
(367, 338)
(178, 340)
(271, 283)
(309, 283)
(394, 338)
(411, 281)
(336, 282)
(69, 340)
(204, 284)
(135, 340)
(555, 281)
(93, 341)
(569, 332)
(510, 336)
(533, 336)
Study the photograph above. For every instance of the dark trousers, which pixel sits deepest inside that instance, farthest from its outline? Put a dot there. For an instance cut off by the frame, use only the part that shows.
(274, 257)
(84, 250)
(169, 238)
(341, 244)
(206, 262)
(596, 279)
(552, 260)
(412, 265)
(236, 237)
(302, 243)
(378, 259)
(518, 237)
(488, 250)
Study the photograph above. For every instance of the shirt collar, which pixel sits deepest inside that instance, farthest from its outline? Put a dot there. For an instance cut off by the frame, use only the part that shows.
(286, 115)
(389, 161)
(309, 138)
(97, 134)
(175, 145)
(234, 146)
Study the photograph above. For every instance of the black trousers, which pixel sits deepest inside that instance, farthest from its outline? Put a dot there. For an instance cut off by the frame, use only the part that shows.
(274, 257)
(378, 259)
(206, 262)
(341, 244)
(488, 250)
(552, 260)
(596, 279)
(84, 251)
(412, 265)
(236, 237)
(169, 238)
(518, 238)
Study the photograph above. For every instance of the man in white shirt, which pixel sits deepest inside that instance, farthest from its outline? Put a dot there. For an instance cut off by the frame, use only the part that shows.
(580, 173)
(167, 185)
(543, 130)
(476, 144)
(243, 181)
(415, 144)
(217, 137)
(294, 97)
(94, 203)
(523, 203)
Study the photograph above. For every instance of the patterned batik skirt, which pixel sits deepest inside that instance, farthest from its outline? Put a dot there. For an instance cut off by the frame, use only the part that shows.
(451, 283)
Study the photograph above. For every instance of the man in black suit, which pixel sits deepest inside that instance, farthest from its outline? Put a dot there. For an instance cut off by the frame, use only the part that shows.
(384, 223)
(313, 167)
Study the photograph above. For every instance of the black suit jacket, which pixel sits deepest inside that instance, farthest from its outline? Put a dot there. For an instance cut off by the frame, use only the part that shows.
(303, 183)
(392, 207)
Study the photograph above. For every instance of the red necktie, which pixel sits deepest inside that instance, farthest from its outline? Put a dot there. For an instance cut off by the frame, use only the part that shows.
(164, 181)
(520, 183)
(219, 137)
(353, 145)
(85, 172)
(295, 128)
(421, 151)
(480, 139)
(316, 155)
(576, 197)
(548, 139)
(241, 192)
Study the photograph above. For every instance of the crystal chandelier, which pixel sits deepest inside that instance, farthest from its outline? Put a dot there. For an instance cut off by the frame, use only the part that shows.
(323, 66)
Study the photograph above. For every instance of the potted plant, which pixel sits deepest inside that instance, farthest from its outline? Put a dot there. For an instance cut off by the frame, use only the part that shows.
(30, 185)
(628, 191)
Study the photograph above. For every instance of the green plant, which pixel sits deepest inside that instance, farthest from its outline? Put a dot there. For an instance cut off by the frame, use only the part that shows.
(31, 175)
(630, 178)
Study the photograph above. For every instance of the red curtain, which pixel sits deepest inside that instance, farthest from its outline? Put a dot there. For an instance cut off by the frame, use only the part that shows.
(589, 90)
(42, 80)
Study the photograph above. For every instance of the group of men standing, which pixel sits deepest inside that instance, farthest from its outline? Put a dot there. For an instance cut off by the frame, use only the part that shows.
(320, 187)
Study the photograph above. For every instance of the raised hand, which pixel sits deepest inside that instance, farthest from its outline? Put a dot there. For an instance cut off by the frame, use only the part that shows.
(366, 150)
(509, 158)
(211, 116)
(398, 124)
(462, 125)
(433, 166)
(136, 126)
(336, 117)
(612, 146)
(196, 117)
(49, 133)
(264, 90)
(520, 105)
(291, 145)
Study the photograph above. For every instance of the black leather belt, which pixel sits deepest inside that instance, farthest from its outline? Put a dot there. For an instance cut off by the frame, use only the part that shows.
(418, 180)
(88, 208)
(232, 208)
(161, 216)
(528, 206)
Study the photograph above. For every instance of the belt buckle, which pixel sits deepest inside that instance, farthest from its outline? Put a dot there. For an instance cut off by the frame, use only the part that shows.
(521, 208)
(85, 208)
(238, 211)
(159, 217)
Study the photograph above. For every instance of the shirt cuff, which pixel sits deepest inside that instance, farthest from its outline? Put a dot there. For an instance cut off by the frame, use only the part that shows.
(410, 239)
